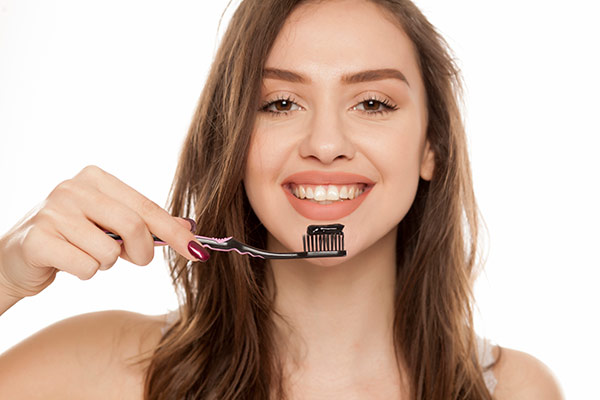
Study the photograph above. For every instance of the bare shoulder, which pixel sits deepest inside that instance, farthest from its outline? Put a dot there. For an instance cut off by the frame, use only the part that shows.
(523, 377)
(97, 355)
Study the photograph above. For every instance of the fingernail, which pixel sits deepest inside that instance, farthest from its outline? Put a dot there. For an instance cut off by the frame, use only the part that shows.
(197, 251)
(192, 224)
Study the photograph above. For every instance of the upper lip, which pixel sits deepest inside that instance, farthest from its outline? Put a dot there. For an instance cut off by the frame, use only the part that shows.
(326, 178)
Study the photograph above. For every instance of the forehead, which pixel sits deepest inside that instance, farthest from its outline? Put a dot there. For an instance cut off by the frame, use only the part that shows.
(340, 36)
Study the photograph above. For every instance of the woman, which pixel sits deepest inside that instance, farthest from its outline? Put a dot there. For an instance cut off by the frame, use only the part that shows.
(353, 96)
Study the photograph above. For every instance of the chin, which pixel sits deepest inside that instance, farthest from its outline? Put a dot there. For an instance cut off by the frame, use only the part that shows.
(330, 262)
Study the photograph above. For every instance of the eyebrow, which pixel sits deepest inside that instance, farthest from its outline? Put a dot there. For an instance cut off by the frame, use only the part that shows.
(356, 77)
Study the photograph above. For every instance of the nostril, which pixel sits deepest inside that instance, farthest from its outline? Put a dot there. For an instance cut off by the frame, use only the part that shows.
(327, 146)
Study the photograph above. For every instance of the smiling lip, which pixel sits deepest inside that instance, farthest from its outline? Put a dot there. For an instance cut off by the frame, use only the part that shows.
(324, 212)
(326, 178)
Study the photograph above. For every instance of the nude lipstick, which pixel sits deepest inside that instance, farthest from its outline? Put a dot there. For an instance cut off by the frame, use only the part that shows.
(324, 196)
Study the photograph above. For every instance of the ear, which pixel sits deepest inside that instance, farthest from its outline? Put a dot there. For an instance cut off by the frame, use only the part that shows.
(427, 162)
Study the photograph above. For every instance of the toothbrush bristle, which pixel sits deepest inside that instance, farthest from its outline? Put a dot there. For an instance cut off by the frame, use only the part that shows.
(323, 238)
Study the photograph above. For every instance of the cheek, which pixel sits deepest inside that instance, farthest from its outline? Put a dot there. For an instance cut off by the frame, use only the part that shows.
(398, 160)
(256, 166)
(396, 152)
(267, 153)
(266, 158)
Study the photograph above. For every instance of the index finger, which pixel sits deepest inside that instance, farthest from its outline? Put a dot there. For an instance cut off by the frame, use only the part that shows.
(158, 220)
(168, 230)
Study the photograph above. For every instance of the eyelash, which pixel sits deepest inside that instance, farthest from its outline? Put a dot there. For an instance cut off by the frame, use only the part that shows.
(265, 106)
(388, 106)
(386, 103)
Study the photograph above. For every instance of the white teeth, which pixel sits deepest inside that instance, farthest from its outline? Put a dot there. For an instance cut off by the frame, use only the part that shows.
(344, 192)
(320, 193)
(326, 194)
(301, 191)
(332, 193)
(309, 193)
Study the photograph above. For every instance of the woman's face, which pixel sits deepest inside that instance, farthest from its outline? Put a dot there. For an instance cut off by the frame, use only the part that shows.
(340, 136)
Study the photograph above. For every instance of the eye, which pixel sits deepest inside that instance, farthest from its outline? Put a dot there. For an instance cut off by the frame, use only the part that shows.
(280, 106)
(374, 105)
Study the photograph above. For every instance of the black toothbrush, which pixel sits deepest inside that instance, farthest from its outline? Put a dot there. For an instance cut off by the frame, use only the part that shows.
(320, 241)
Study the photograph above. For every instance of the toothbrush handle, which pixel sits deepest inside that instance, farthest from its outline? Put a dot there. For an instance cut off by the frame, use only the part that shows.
(230, 244)
(157, 241)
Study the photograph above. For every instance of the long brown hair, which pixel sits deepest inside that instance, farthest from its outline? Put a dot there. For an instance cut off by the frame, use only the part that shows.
(223, 345)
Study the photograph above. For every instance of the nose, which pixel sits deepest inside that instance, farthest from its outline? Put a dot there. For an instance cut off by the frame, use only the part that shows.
(327, 140)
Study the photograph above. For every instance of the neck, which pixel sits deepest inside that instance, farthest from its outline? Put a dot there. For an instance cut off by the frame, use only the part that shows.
(338, 318)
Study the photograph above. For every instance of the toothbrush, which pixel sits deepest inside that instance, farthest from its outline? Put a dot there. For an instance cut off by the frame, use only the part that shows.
(319, 241)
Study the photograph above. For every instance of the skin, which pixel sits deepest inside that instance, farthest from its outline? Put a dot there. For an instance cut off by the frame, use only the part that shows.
(337, 341)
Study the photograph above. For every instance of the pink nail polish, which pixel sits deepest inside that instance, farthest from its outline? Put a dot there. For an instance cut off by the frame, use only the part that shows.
(197, 251)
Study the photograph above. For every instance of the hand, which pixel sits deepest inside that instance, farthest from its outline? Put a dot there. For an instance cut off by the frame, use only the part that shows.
(66, 233)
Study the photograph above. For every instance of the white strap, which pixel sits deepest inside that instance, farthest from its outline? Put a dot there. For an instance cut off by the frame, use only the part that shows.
(486, 358)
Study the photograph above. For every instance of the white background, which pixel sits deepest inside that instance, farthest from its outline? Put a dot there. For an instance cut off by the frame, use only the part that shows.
(114, 83)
